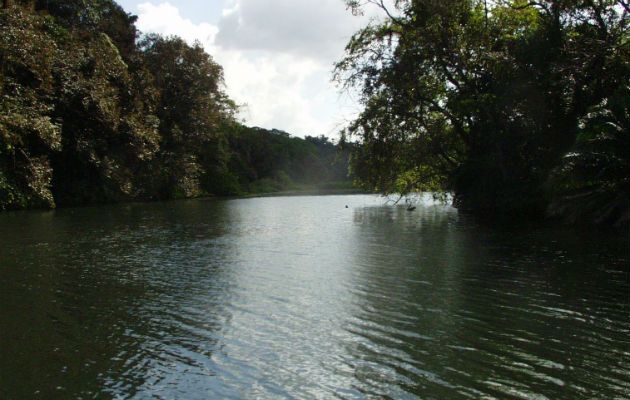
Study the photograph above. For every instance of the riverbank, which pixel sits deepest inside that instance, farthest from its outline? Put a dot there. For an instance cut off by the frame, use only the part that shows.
(309, 190)
(297, 190)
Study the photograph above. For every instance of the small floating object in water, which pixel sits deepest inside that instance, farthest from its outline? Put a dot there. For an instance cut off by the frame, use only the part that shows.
(410, 207)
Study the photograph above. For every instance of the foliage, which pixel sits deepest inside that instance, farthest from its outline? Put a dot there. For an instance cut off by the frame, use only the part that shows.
(480, 98)
(592, 182)
(191, 108)
(272, 160)
(28, 131)
(106, 134)
(87, 115)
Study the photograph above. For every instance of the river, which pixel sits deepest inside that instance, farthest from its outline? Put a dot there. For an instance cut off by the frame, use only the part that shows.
(305, 298)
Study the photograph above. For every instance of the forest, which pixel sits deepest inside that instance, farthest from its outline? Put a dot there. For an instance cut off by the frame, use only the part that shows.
(518, 108)
(91, 111)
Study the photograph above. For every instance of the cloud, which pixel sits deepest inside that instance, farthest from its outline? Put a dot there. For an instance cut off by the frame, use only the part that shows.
(166, 19)
(313, 29)
(271, 90)
(277, 57)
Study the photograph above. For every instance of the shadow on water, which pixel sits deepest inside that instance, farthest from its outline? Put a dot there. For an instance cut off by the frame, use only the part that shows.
(92, 295)
(447, 308)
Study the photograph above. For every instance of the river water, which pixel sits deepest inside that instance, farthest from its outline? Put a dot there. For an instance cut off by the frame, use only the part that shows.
(303, 298)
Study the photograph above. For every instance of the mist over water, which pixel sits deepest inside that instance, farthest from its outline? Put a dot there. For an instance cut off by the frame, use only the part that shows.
(301, 297)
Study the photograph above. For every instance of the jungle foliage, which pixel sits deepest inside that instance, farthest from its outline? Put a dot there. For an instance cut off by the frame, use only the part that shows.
(91, 114)
(271, 160)
(518, 108)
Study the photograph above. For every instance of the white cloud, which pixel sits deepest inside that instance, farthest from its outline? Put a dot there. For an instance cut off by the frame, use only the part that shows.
(312, 29)
(165, 19)
(277, 56)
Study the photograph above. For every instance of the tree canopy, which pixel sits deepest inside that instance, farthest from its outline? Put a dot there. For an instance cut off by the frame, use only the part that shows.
(495, 101)
(91, 113)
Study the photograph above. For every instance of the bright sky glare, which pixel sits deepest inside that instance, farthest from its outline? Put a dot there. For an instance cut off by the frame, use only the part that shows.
(277, 55)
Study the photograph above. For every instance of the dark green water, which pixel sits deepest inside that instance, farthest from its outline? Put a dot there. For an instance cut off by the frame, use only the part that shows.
(302, 298)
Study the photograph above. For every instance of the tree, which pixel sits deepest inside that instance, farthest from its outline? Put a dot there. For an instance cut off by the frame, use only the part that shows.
(28, 129)
(479, 98)
(72, 126)
(87, 116)
(592, 182)
(108, 134)
(192, 108)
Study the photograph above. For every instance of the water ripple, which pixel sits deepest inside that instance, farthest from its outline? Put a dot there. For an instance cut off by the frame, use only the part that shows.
(303, 298)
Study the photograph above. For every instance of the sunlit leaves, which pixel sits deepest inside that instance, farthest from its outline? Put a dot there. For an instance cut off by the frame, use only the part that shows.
(191, 109)
(28, 130)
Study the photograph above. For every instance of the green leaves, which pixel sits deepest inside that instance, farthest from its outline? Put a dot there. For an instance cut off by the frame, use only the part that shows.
(483, 97)
(88, 116)
(592, 182)
(191, 108)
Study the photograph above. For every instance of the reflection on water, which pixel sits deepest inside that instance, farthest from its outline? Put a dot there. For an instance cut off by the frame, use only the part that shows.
(304, 298)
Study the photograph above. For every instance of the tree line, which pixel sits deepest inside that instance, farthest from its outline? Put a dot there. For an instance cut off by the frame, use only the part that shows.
(519, 108)
(90, 112)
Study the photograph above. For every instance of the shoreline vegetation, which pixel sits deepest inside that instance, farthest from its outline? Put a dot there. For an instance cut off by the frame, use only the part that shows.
(503, 104)
(93, 112)
(521, 109)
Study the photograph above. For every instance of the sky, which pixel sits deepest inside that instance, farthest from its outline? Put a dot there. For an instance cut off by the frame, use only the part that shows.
(277, 55)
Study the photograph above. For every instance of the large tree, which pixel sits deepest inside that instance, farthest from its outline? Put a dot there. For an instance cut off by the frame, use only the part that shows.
(76, 121)
(480, 98)
(192, 109)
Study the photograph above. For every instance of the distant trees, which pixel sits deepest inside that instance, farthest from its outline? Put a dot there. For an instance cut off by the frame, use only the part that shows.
(486, 99)
(269, 160)
(331, 162)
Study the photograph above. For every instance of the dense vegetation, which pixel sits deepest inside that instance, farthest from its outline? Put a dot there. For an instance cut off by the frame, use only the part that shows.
(90, 114)
(518, 107)
(269, 161)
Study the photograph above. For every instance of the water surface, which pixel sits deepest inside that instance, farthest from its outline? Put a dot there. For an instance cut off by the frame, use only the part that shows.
(303, 298)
